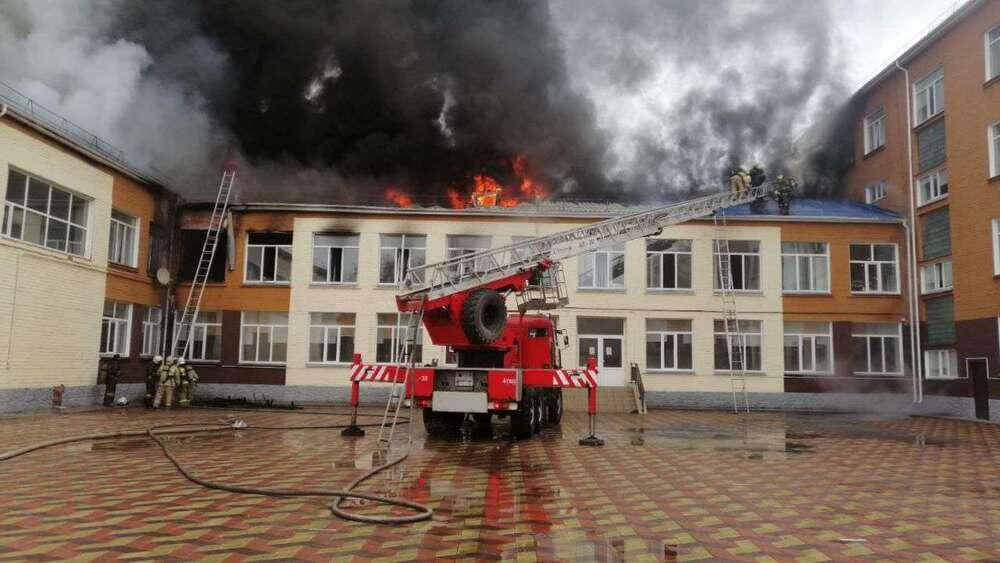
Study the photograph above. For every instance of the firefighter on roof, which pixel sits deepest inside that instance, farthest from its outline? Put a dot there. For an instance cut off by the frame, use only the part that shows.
(168, 375)
(757, 176)
(785, 186)
(188, 382)
(739, 180)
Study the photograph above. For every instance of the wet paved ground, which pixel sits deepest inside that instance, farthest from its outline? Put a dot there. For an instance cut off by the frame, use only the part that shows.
(669, 485)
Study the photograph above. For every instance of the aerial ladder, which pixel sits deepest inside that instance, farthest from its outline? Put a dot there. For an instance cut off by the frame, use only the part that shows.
(510, 365)
(183, 327)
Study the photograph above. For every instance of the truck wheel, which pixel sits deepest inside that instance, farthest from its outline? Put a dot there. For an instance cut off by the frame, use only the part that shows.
(522, 422)
(442, 423)
(555, 407)
(536, 406)
(484, 316)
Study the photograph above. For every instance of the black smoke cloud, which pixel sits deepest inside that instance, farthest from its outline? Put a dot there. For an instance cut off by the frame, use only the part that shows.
(332, 101)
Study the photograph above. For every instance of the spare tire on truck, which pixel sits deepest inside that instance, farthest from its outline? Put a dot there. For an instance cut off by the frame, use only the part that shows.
(484, 316)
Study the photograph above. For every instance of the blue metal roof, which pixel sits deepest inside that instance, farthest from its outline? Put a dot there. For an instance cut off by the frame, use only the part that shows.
(816, 208)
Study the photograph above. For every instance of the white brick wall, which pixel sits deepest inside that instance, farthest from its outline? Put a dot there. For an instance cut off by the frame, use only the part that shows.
(50, 302)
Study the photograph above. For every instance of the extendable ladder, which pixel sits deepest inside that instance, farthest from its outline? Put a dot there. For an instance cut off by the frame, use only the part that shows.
(397, 394)
(182, 329)
(735, 338)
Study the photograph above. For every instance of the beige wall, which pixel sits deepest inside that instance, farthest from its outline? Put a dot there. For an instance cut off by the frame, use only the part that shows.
(635, 304)
(50, 302)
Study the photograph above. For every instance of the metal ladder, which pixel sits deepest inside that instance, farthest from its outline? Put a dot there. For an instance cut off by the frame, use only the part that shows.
(397, 393)
(475, 269)
(182, 329)
(734, 334)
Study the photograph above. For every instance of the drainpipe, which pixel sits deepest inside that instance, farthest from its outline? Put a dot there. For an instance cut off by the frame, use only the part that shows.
(911, 236)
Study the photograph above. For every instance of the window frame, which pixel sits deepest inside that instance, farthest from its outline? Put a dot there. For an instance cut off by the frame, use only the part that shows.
(114, 239)
(993, 148)
(871, 121)
(872, 261)
(264, 247)
(401, 252)
(397, 338)
(937, 269)
(716, 278)
(120, 324)
(715, 341)
(899, 356)
(10, 206)
(453, 252)
(329, 257)
(996, 246)
(592, 256)
(326, 339)
(952, 364)
(988, 54)
(814, 336)
(929, 84)
(197, 324)
(662, 334)
(876, 191)
(933, 179)
(825, 257)
(271, 328)
(149, 328)
(661, 255)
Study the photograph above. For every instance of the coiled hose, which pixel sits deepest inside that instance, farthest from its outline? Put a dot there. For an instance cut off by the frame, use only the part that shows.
(422, 512)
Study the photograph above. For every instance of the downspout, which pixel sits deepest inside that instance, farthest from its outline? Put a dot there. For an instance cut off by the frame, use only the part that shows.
(916, 355)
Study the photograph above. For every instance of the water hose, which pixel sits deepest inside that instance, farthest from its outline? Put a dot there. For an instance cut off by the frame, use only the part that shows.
(422, 512)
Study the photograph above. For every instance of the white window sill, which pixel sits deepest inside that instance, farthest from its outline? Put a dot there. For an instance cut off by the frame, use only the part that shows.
(875, 293)
(810, 373)
(937, 291)
(806, 292)
(949, 378)
(743, 292)
(671, 371)
(877, 374)
(265, 284)
(46, 250)
(203, 362)
(874, 150)
(122, 355)
(935, 200)
(328, 364)
(333, 285)
(262, 364)
(725, 373)
(668, 290)
(601, 289)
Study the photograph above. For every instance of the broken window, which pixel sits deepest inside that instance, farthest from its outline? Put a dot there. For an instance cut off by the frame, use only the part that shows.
(192, 243)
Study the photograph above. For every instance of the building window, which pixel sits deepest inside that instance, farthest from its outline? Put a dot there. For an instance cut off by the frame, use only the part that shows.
(877, 348)
(993, 137)
(932, 187)
(603, 268)
(152, 331)
(462, 245)
(668, 264)
(936, 277)
(808, 347)
(874, 130)
(335, 258)
(928, 97)
(206, 336)
(992, 38)
(752, 345)
(390, 344)
(940, 364)
(744, 265)
(398, 254)
(331, 338)
(668, 345)
(874, 269)
(805, 267)
(39, 213)
(996, 247)
(116, 323)
(123, 239)
(876, 191)
(269, 258)
(263, 337)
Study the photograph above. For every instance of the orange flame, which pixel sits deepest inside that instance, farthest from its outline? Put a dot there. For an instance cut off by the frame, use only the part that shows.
(398, 196)
(530, 187)
(455, 200)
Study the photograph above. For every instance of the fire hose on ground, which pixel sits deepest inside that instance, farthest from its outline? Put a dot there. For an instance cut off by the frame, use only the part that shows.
(155, 433)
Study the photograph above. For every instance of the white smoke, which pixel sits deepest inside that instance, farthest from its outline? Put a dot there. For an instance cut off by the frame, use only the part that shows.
(61, 55)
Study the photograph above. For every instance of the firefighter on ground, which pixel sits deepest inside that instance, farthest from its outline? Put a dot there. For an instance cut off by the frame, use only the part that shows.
(784, 186)
(739, 180)
(167, 380)
(188, 382)
(112, 371)
(152, 376)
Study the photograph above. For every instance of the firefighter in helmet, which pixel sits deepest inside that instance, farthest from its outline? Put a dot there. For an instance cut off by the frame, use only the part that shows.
(784, 187)
(739, 180)
(166, 382)
(757, 176)
(152, 376)
(188, 382)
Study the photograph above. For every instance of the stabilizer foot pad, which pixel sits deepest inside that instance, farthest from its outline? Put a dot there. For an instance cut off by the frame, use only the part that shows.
(591, 441)
(353, 431)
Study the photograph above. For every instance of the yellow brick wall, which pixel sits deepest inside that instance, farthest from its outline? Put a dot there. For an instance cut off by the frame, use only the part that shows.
(50, 303)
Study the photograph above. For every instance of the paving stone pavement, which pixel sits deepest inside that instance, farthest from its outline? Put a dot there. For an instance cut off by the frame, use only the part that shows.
(670, 485)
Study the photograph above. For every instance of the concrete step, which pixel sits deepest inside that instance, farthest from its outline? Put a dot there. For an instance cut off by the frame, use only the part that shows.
(609, 400)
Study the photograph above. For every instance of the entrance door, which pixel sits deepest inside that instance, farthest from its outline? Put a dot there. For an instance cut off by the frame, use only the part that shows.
(608, 351)
(978, 370)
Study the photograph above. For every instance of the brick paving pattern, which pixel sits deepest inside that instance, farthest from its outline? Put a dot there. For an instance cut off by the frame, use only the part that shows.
(671, 485)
